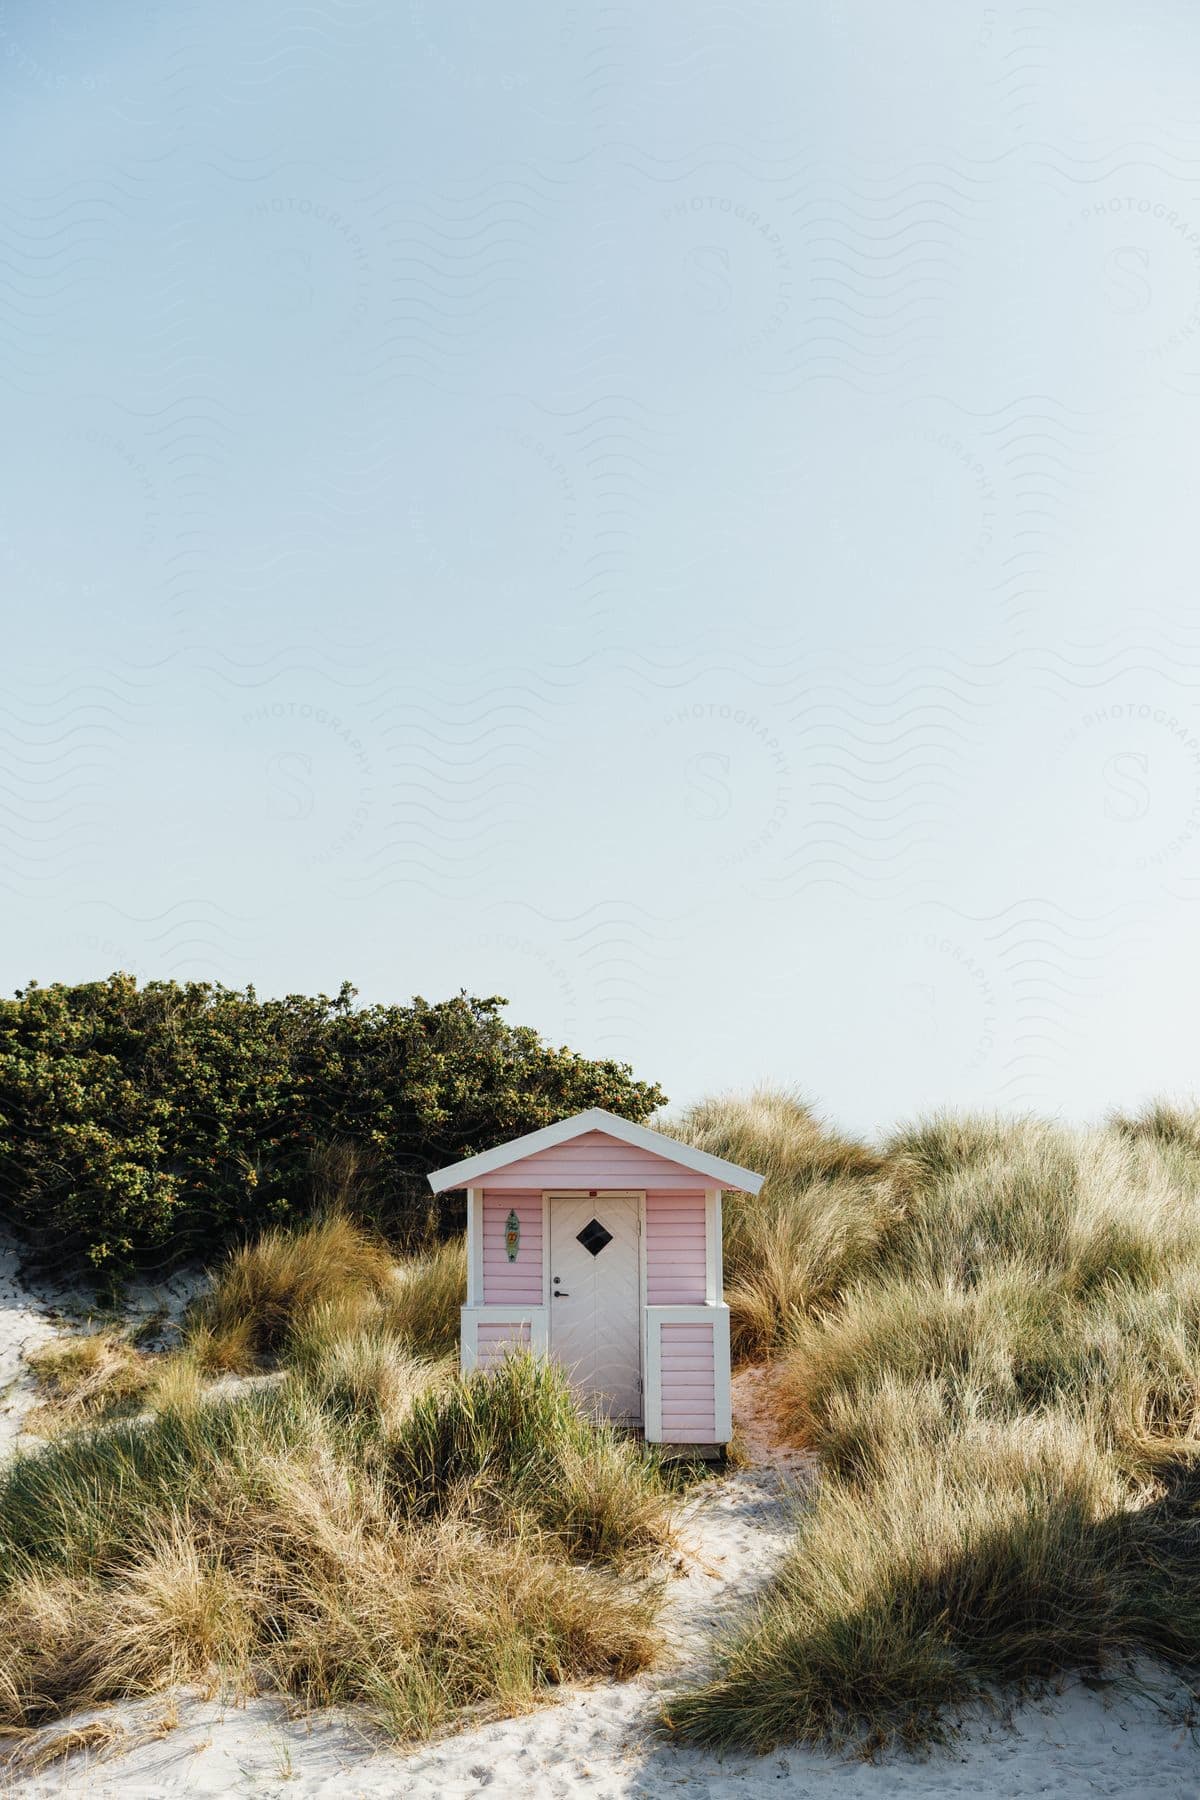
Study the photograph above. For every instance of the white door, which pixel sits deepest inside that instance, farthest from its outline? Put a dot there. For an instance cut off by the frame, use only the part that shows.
(596, 1300)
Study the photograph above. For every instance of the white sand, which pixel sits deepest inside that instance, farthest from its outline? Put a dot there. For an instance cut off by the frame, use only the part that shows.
(27, 1319)
(602, 1742)
(32, 1312)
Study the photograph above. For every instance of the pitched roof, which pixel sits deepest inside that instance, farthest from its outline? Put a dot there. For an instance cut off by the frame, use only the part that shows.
(721, 1173)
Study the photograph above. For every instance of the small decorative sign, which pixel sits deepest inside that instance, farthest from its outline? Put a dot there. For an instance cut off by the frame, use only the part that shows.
(512, 1236)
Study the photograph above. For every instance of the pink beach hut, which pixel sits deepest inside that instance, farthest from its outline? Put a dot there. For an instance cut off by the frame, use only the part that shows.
(598, 1243)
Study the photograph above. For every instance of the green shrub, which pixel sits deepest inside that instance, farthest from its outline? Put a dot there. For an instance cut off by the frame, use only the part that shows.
(172, 1119)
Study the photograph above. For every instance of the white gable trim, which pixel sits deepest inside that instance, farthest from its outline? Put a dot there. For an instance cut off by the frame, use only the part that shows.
(468, 1172)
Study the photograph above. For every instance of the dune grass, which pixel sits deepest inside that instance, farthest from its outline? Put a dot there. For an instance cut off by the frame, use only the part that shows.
(358, 1525)
(988, 1329)
(520, 1441)
(268, 1541)
(1000, 1370)
(86, 1377)
(825, 1207)
(972, 1559)
(424, 1302)
(266, 1288)
(292, 1292)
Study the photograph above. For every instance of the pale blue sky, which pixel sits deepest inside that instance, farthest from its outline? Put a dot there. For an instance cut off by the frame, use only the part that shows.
(682, 516)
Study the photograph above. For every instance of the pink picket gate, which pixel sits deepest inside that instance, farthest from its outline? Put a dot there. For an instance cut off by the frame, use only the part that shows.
(598, 1243)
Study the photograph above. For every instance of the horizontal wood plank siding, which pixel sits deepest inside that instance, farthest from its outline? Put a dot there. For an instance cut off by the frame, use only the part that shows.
(689, 1396)
(494, 1339)
(675, 1249)
(520, 1282)
(594, 1160)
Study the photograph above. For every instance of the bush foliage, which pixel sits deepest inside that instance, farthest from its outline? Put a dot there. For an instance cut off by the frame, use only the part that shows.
(169, 1119)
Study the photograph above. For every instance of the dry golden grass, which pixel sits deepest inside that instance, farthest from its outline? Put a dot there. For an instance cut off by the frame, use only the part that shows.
(265, 1289)
(998, 1361)
(517, 1442)
(307, 1538)
(226, 1347)
(825, 1207)
(424, 1302)
(83, 1377)
(430, 1622)
(975, 1556)
(174, 1615)
(355, 1524)
(1163, 1124)
(792, 1250)
(320, 1282)
(319, 1588)
(776, 1133)
(99, 1737)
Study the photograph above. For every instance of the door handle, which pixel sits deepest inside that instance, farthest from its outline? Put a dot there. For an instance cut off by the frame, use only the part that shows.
(561, 1294)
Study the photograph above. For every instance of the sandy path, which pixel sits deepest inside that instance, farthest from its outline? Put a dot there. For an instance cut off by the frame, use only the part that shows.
(602, 1742)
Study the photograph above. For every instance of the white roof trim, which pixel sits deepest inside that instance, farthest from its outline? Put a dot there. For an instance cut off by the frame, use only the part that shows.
(468, 1172)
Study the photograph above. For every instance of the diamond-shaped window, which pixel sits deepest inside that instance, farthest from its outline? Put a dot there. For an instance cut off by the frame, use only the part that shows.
(593, 1237)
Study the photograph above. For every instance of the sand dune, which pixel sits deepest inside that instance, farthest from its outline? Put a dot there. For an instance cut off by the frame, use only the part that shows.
(601, 1741)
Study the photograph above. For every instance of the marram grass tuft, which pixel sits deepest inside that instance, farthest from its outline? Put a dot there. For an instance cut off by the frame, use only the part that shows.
(998, 1363)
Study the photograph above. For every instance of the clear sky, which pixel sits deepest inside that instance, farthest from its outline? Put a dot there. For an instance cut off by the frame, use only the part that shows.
(682, 515)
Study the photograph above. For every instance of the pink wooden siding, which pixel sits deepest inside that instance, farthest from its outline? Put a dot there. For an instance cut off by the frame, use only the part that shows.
(518, 1283)
(494, 1339)
(689, 1397)
(594, 1160)
(676, 1272)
